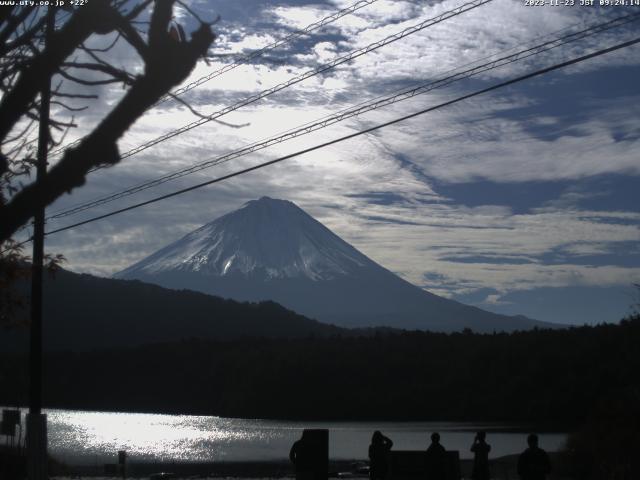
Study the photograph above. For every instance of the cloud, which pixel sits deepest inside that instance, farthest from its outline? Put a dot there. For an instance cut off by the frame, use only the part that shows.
(495, 299)
(381, 192)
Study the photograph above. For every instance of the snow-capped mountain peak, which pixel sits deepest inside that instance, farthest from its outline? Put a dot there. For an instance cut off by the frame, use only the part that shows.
(265, 238)
(272, 250)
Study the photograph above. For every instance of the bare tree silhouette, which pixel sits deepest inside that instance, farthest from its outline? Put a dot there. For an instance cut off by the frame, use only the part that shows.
(166, 58)
(70, 57)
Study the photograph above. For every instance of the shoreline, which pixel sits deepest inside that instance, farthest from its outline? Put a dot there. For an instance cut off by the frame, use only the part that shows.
(499, 425)
(502, 467)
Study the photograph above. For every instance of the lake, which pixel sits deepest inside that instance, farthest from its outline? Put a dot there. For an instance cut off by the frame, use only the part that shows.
(81, 437)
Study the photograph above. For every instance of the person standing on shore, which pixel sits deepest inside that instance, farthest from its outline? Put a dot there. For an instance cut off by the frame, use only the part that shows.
(301, 457)
(379, 456)
(533, 463)
(480, 449)
(436, 459)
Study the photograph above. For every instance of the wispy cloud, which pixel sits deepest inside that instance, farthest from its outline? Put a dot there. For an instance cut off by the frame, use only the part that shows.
(381, 192)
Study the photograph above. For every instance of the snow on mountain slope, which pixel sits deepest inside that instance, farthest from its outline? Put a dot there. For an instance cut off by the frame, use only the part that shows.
(265, 238)
(272, 250)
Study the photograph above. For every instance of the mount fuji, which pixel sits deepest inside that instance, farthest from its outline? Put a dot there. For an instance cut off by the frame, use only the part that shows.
(272, 250)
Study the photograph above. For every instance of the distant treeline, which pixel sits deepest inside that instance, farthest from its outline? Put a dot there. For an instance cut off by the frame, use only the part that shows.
(553, 377)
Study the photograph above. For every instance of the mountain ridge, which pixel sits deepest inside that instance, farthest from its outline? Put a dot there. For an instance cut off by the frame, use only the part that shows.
(84, 312)
(270, 249)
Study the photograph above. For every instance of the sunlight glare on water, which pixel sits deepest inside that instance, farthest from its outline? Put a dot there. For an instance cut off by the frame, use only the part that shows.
(161, 437)
(78, 437)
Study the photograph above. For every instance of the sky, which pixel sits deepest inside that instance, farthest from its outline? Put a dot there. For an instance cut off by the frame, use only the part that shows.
(523, 200)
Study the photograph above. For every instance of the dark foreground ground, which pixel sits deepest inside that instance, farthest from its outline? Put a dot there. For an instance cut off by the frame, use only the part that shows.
(502, 469)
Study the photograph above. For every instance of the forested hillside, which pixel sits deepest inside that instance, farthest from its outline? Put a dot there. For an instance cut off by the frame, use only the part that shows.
(84, 312)
(553, 376)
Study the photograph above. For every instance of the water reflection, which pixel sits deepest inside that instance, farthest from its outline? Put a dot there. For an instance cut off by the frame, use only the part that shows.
(161, 437)
(95, 437)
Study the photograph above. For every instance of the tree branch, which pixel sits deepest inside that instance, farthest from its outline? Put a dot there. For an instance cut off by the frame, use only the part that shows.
(102, 50)
(68, 107)
(169, 63)
(82, 81)
(178, 99)
(23, 39)
(95, 17)
(105, 68)
(12, 23)
(137, 10)
(19, 134)
(72, 95)
(58, 125)
(133, 37)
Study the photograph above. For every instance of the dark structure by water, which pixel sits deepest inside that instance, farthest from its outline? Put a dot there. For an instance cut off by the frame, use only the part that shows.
(310, 455)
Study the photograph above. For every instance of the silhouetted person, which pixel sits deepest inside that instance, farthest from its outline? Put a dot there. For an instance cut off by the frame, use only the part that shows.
(379, 456)
(436, 459)
(533, 463)
(480, 449)
(301, 455)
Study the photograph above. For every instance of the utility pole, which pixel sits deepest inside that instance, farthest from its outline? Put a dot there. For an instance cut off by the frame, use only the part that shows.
(36, 421)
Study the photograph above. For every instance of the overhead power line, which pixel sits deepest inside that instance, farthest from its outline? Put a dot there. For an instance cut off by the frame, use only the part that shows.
(253, 55)
(358, 110)
(244, 59)
(356, 134)
(308, 74)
